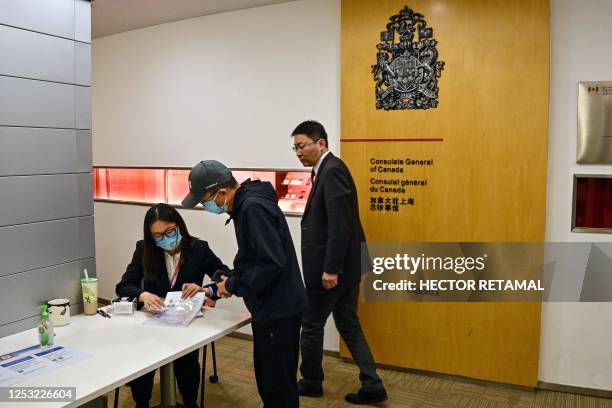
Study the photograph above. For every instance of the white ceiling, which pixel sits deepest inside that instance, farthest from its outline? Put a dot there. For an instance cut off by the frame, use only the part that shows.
(115, 16)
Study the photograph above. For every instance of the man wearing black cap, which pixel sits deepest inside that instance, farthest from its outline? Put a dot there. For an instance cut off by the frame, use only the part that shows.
(332, 236)
(266, 274)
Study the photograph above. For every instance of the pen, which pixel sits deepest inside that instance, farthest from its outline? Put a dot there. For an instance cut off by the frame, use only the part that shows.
(103, 313)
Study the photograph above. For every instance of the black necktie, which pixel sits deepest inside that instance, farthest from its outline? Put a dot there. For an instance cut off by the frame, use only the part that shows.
(312, 175)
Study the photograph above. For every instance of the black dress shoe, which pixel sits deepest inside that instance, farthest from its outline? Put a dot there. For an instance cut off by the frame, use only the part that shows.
(307, 389)
(367, 397)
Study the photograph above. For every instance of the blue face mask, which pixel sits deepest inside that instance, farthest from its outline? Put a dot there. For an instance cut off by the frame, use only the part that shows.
(212, 207)
(171, 242)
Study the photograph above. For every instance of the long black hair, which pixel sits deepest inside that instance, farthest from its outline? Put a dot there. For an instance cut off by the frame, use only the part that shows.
(153, 256)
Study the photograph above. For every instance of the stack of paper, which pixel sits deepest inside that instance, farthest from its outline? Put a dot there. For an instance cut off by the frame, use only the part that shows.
(178, 311)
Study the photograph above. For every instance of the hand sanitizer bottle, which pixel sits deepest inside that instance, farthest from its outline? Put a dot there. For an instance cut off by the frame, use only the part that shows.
(45, 328)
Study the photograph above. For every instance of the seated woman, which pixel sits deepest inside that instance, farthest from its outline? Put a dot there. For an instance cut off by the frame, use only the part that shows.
(169, 259)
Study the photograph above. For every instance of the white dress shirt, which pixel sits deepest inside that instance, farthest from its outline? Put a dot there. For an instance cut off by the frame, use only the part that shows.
(315, 169)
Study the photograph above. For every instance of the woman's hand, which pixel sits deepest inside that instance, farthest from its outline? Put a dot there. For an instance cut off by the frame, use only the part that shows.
(151, 301)
(191, 289)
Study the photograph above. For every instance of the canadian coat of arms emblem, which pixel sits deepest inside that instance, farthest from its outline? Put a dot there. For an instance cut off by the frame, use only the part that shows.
(407, 71)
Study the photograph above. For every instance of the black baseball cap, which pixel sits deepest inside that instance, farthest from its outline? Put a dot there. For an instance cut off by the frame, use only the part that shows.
(204, 177)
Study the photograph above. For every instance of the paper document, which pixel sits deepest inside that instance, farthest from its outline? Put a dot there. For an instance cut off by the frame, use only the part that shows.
(62, 356)
(20, 365)
(178, 311)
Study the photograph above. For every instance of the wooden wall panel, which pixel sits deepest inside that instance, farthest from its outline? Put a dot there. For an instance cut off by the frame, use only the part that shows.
(488, 183)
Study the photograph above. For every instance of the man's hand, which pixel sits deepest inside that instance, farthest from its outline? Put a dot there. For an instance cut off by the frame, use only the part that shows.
(329, 280)
(190, 290)
(222, 292)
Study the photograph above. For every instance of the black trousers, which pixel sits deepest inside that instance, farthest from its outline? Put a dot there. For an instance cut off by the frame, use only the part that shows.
(342, 302)
(276, 352)
(187, 373)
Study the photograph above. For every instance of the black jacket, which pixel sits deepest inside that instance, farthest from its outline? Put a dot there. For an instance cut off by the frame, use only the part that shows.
(266, 270)
(331, 230)
(197, 260)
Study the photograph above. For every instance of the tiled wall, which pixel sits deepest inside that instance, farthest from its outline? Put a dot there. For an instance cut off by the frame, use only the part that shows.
(46, 204)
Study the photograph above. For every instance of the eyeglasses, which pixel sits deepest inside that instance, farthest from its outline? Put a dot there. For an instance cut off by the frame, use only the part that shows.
(170, 233)
(301, 146)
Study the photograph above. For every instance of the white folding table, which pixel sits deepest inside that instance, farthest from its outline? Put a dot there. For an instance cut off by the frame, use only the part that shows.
(122, 348)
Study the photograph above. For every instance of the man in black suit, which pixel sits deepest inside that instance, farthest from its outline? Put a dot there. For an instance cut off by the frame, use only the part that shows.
(331, 259)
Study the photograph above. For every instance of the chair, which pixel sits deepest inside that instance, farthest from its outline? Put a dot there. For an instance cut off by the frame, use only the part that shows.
(214, 378)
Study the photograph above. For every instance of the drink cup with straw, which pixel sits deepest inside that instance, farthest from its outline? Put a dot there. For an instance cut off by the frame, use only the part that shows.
(90, 293)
